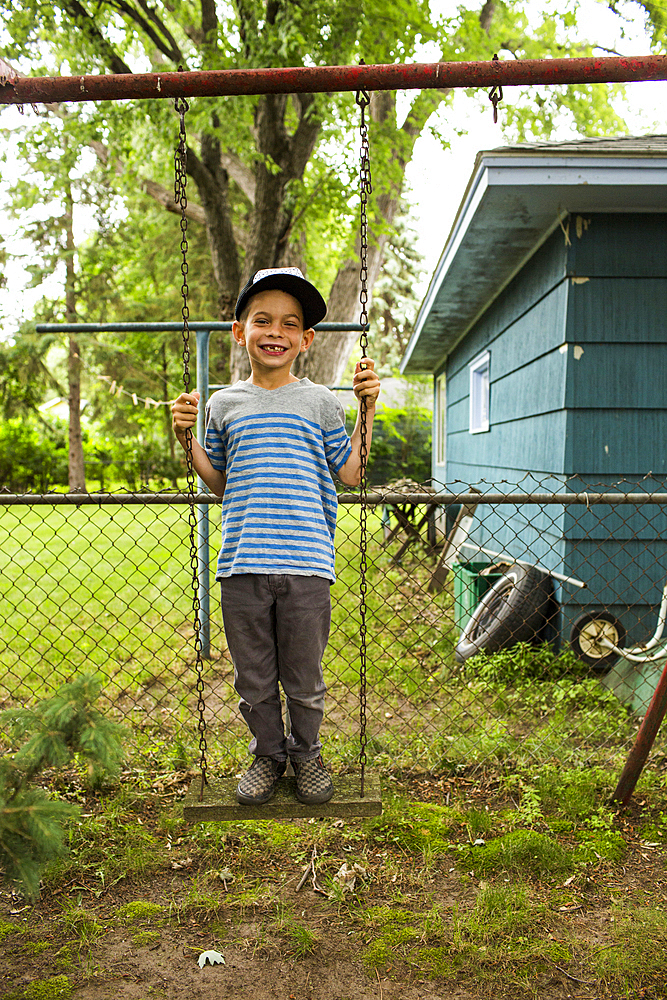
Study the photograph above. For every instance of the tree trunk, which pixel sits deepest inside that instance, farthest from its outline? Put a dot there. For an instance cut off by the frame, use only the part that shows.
(77, 474)
(327, 359)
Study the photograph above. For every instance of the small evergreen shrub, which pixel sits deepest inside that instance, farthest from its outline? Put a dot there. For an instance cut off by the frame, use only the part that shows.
(61, 727)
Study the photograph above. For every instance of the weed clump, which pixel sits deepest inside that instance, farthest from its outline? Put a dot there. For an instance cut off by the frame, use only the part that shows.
(302, 941)
(501, 927)
(524, 852)
(601, 845)
(523, 662)
(396, 929)
(412, 826)
(573, 793)
(637, 959)
(82, 925)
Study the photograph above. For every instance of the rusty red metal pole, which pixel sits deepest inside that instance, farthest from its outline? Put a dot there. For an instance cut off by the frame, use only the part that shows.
(324, 79)
(645, 739)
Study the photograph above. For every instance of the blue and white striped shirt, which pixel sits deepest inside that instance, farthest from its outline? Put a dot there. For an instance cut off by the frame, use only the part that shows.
(277, 447)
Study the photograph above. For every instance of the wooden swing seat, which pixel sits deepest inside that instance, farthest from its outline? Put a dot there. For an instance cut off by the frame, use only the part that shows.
(219, 801)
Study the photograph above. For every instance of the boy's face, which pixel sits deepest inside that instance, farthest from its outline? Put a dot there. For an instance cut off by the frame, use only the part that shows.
(273, 332)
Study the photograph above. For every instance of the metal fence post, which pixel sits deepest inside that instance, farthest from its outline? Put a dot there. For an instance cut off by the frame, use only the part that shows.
(203, 337)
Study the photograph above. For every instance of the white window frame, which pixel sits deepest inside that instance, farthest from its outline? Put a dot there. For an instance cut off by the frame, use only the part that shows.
(480, 395)
(441, 419)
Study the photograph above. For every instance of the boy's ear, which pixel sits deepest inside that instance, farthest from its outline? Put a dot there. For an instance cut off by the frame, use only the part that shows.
(307, 339)
(238, 332)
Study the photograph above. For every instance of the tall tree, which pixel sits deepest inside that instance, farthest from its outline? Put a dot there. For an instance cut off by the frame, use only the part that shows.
(270, 172)
(52, 156)
(77, 471)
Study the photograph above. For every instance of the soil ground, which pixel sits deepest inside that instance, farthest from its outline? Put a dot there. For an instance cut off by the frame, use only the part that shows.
(241, 897)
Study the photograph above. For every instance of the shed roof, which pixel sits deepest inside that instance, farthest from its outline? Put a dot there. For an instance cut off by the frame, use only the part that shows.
(515, 198)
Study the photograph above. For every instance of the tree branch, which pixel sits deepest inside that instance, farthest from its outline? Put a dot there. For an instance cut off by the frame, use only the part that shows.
(486, 15)
(194, 212)
(163, 196)
(150, 13)
(209, 22)
(86, 23)
(240, 174)
(247, 25)
(171, 49)
(304, 137)
(212, 185)
(425, 103)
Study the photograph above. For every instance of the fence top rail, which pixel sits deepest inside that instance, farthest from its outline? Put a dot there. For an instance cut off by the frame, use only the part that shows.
(374, 498)
(327, 79)
(165, 327)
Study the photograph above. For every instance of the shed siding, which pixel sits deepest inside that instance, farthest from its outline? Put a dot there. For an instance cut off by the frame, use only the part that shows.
(618, 310)
(523, 330)
(628, 245)
(616, 398)
(617, 376)
(592, 415)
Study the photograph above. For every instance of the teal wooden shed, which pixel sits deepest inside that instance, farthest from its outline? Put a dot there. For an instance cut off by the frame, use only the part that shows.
(545, 329)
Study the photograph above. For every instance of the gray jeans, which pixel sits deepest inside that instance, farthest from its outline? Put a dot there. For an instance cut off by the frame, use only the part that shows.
(277, 629)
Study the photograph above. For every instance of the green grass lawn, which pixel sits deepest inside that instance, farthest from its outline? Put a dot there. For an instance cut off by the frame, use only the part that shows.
(92, 588)
(108, 590)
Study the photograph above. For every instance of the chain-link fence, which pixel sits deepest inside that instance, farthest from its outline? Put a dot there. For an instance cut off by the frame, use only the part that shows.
(498, 624)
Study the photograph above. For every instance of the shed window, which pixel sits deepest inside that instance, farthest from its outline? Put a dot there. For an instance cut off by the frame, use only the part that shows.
(441, 419)
(479, 393)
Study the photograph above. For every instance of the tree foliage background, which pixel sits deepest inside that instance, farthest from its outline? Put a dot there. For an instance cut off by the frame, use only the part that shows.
(272, 179)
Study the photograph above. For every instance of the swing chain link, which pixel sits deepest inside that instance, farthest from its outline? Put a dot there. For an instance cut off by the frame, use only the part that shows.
(365, 189)
(180, 197)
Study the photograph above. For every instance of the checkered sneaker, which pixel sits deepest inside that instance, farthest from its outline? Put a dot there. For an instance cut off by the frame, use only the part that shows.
(313, 784)
(259, 782)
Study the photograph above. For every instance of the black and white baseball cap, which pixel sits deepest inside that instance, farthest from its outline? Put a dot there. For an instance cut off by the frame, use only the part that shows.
(292, 281)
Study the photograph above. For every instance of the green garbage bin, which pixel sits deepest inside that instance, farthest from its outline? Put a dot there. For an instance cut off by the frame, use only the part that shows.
(469, 589)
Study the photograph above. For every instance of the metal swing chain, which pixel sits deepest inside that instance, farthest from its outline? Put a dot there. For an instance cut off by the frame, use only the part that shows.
(181, 199)
(365, 189)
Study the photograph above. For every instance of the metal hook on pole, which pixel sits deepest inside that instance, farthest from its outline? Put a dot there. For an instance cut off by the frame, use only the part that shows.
(495, 94)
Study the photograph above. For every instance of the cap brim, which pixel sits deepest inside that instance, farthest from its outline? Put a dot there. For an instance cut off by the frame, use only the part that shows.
(312, 304)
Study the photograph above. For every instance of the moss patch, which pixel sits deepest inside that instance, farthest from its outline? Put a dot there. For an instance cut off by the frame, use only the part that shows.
(139, 910)
(58, 988)
(145, 938)
(36, 947)
(6, 929)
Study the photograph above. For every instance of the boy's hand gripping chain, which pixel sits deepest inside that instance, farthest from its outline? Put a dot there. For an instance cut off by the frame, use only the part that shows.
(181, 199)
(365, 189)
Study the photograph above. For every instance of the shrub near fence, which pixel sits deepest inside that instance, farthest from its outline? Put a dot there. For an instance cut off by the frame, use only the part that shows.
(105, 586)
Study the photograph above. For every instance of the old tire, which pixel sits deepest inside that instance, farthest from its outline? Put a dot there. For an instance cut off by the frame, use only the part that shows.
(514, 610)
(586, 632)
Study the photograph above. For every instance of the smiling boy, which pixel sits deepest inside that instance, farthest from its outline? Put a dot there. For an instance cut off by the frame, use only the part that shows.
(272, 444)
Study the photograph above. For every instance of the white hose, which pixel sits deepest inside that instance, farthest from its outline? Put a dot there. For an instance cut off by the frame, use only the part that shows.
(631, 654)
